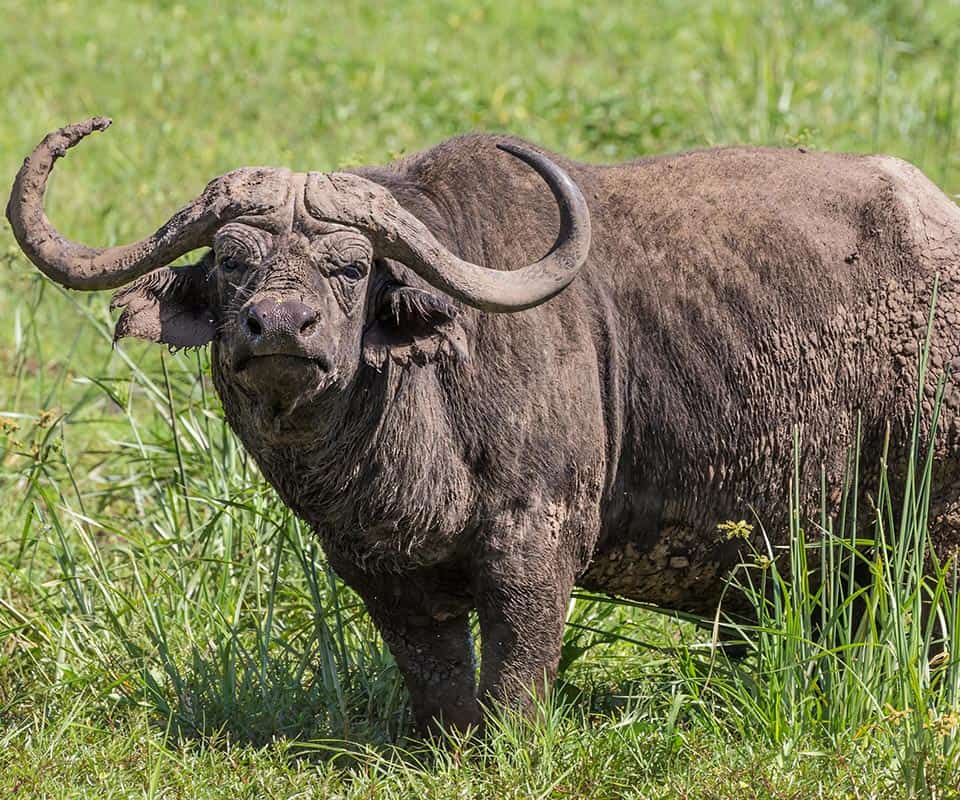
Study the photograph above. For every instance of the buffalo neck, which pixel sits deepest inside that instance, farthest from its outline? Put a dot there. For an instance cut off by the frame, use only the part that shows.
(376, 467)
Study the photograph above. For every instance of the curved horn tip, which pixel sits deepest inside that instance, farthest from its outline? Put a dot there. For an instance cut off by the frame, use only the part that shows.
(523, 153)
(97, 123)
(100, 123)
(548, 169)
(71, 134)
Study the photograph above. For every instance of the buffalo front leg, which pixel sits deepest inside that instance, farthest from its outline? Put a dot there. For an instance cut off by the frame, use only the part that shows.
(436, 659)
(423, 619)
(522, 606)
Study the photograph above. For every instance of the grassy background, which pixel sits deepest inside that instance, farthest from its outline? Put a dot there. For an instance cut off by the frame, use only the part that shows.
(189, 642)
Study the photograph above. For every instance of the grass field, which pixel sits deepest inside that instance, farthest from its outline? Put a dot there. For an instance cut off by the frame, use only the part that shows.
(168, 630)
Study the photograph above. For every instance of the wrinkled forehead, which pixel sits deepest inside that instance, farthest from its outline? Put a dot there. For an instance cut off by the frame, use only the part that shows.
(276, 196)
(299, 214)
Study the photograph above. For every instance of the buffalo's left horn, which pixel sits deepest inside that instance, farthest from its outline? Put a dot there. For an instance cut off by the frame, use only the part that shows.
(75, 265)
(410, 242)
(351, 199)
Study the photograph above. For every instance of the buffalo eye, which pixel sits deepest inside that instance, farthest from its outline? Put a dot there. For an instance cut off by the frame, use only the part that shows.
(230, 264)
(352, 272)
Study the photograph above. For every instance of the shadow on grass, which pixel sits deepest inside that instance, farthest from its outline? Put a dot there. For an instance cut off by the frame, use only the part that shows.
(225, 696)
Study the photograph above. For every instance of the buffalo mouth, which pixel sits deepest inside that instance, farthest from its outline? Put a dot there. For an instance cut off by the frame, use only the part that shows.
(284, 361)
(279, 383)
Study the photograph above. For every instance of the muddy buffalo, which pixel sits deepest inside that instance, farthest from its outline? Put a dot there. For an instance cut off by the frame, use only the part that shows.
(468, 423)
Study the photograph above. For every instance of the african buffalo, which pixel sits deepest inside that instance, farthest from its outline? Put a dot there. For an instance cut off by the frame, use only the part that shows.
(458, 442)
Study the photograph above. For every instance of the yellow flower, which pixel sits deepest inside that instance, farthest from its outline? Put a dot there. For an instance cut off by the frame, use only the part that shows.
(944, 725)
(761, 561)
(895, 715)
(736, 530)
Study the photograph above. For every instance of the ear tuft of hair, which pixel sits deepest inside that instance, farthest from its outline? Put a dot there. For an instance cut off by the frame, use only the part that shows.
(413, 326)
(404, 303)
(165, 282)
(167, 305)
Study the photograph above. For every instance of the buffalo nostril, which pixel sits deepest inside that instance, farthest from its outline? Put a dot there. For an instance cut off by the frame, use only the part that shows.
(307, 326)
(253, 325)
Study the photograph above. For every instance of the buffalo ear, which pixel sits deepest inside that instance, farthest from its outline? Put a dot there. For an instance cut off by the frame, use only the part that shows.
(168, 305)
(412, 325)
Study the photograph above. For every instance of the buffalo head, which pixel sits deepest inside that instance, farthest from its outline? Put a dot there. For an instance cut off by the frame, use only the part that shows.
(302, 281)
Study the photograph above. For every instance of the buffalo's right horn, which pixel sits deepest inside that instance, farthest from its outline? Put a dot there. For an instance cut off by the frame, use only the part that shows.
(79, 267)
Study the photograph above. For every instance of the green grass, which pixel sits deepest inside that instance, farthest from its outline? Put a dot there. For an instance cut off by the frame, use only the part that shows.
(167, 629)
